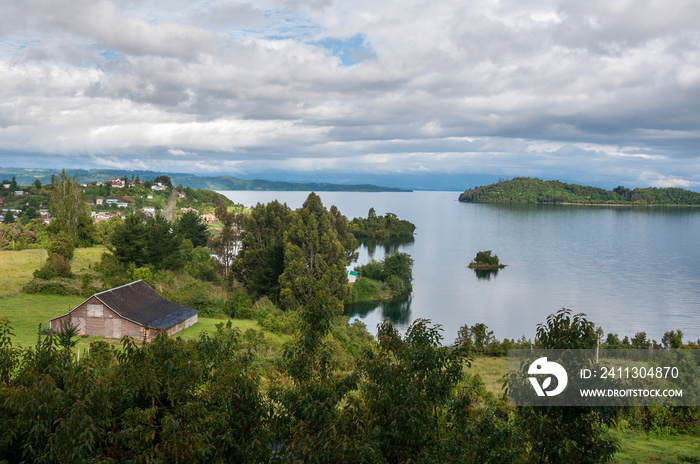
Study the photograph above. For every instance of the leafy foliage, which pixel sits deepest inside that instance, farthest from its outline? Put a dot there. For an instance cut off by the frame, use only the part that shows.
(569, 434)
(190, 226)
(314, 258)
(533, 190)
(384, 227)
(68, 204)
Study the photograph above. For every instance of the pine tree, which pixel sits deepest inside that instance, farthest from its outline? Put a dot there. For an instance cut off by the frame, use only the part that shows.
(314, 258)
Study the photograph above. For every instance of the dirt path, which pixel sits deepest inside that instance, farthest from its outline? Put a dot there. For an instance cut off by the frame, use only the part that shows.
(168, 213)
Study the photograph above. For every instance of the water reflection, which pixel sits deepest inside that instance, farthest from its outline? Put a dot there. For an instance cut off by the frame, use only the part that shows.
(398, 311)
(485, 274)
(388, 246)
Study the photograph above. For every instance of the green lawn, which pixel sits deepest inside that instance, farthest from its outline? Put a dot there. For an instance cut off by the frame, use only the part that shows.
(26, 312)
(18, 266)
(641, 448)
(491, 370)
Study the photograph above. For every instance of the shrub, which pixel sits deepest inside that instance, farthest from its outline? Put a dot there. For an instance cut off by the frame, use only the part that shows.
(56, 286)
(239, 306)
(396, 285)
(62, 245)
(55, 266)
(366, 290)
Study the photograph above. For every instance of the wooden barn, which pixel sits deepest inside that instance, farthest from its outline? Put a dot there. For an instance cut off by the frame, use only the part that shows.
(134, 310)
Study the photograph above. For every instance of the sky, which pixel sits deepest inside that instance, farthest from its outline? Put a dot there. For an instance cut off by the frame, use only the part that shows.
(603, 92)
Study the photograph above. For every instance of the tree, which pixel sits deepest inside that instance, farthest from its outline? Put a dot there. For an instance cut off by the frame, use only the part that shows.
(400, 265)
(163, 247)
(128, 241)
(314, 258)
(36, 185)
(228, 243)
(672, 339)
(68, 204)
(165, 180)
(191, 226)
(568, 434)
(262, 249)
(476, 338)
(9, 217)
(406, 385)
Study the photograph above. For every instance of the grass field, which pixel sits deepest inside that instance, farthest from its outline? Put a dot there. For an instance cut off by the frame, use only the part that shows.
(491, 371)
(17, 267)
(641, 448)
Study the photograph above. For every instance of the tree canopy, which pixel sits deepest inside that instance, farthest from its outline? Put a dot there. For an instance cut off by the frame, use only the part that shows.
(533, 190)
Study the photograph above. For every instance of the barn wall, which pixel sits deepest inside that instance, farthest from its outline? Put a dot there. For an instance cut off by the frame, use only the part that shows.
(182, 325)
(94, 318)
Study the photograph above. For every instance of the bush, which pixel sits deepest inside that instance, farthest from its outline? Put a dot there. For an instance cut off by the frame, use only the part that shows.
(62, 245)
(239, 306)
(57, 286)
(396, 285)
(196, 295)
(372, 270)
(366, 290)
(485, 258)
(55, 266)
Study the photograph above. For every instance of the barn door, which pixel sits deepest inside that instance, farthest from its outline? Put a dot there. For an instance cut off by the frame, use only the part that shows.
(80, 325)
(113, 328)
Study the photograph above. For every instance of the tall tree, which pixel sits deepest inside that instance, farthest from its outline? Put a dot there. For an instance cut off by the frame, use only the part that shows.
(191, 227)
(228, 243)
(262, 249)
(128, 241)
(314, 258)
(67, 203)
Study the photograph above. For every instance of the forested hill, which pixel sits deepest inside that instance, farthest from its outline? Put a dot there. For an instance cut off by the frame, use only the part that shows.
(533, 190)
(26, 176)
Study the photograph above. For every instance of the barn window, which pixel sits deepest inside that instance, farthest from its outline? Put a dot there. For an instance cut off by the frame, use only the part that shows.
(95, 310)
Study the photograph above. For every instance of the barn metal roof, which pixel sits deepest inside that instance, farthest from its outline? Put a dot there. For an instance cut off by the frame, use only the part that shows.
(141, 304)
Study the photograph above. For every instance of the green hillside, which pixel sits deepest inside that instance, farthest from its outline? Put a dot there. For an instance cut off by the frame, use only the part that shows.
(26, 176)
(538, 191)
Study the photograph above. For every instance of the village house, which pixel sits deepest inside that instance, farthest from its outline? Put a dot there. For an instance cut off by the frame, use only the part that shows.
(151, 210)
(99, 201)
(122, 204)
(158, 187)
(116, 183)
(209, 217)
(134, 310)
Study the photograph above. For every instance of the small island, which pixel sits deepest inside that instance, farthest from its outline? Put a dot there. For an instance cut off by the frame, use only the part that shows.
(485, 260)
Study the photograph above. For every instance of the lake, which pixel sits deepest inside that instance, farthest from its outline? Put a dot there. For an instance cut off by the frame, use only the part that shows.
(628, 269)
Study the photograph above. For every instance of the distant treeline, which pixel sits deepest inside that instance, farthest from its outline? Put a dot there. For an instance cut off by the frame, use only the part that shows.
(533, 190)
(26, 176)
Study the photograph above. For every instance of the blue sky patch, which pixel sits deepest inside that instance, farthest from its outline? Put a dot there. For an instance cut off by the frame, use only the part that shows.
(350, 51)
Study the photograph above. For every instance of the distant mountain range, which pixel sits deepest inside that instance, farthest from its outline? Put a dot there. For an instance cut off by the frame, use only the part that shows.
(26, 176)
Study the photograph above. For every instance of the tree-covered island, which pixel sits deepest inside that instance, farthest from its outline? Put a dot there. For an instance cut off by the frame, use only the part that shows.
(485, 260)
(538, 191)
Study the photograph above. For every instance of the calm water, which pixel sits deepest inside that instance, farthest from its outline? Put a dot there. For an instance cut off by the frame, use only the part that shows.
(628, 269)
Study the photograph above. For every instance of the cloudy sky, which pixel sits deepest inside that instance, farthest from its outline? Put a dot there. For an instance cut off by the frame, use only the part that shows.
(595, 91)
